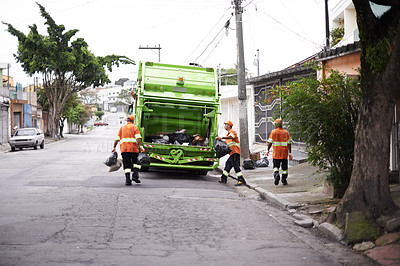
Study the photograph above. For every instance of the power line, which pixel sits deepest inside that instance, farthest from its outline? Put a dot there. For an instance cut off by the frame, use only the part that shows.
(222, 36)
(292, 31)
(205, 37)
(227, 23)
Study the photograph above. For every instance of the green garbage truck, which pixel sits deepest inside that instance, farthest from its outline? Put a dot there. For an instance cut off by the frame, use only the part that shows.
(176, 109)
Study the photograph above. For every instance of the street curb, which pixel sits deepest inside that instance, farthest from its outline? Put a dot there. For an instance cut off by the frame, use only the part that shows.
(265, 194)
(329, 230)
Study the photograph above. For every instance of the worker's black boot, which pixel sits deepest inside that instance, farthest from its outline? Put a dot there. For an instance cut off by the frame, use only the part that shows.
(276, 178)
(128, 181)
(240, 182)
(135, 176)
(223, 179)
(284, 181)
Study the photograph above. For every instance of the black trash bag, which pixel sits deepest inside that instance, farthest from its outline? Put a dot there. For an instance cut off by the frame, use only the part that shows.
(180, 137)
(263, 162)
(221, 148)
(249, 164)
(143, 159)
(112, 159)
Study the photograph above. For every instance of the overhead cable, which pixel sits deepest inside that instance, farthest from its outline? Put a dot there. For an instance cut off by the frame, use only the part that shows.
(292, 31)
(205, 37)
(224, 27)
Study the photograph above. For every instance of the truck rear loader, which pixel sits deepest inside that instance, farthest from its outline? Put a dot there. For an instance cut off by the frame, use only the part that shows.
(176, 110)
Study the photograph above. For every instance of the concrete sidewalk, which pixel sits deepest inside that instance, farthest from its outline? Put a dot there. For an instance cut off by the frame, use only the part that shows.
(309, 201)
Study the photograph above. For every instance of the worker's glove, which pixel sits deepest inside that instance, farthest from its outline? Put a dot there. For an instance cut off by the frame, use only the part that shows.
(142, 149)
(267, 153)
(113, 150)
(218, 138)
(290, 157)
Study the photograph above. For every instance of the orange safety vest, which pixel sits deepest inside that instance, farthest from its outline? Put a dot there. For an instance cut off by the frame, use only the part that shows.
(280, 139)
(127, 136)
(234, 143)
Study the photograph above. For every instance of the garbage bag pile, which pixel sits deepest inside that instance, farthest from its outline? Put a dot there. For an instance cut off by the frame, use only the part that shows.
(179, 137)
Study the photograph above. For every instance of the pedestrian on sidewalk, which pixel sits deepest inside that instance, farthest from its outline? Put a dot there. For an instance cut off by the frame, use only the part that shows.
(130, 142)
(233, 161)
(280, 139)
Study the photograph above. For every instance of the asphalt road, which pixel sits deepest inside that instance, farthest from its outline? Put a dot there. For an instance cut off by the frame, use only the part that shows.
(61, 206)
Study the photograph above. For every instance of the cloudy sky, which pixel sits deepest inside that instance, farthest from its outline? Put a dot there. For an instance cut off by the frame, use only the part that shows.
(284, 31)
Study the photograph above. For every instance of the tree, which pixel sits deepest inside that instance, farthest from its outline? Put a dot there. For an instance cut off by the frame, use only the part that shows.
(337, 35)
(229, 76)
(68, 109)
(124, 97)
(323, 114)
(368, 190)
(89, 96)
(66, 66)
(79, 115)
(99, 114)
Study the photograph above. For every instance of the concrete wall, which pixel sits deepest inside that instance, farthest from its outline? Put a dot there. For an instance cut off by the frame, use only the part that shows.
(347, 64)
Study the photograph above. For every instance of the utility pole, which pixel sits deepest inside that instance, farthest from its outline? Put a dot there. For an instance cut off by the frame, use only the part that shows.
(327, 25)
(242, 95)
(154, 48)
(257, 62)
(8, 76)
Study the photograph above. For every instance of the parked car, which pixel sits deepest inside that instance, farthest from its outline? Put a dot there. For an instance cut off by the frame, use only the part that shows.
(100, 123)
(27, 137)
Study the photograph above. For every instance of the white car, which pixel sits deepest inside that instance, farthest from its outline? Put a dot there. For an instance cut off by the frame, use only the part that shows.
(27, 137)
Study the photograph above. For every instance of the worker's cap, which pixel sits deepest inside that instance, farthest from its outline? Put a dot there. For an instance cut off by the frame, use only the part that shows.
(130, 118)
(278, 122)
(229, 123)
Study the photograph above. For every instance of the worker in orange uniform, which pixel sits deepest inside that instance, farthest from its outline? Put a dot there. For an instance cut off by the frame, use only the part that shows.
(282, 143)
(232, 140)
(130, 142)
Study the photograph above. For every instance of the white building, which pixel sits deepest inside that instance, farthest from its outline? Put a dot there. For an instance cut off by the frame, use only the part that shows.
(107, 96)
(230, 110)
